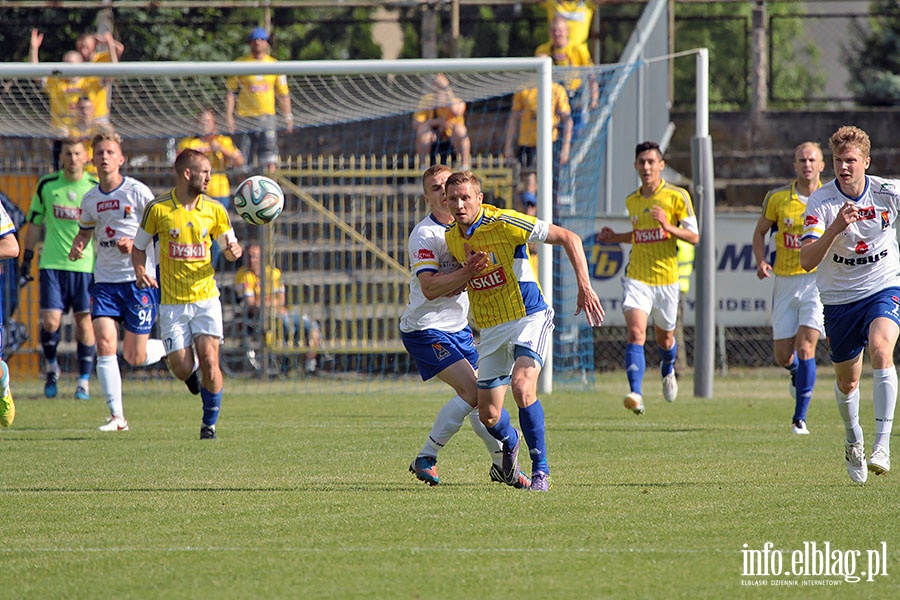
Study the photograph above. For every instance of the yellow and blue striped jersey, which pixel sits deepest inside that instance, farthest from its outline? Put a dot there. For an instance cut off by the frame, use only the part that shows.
(507, 289)
(786, 209)
(185, 237)
(654, 253)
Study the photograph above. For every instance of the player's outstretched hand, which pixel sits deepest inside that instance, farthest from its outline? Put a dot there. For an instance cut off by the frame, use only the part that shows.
(590, 304)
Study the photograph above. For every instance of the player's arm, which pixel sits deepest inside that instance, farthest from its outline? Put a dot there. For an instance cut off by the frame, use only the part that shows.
(434, 285)
(566, 120)
(813, 250)
(229, 110)
(588, 302)
(143, 279)
(608, 235)
(231, 248)
(687, 234)
(80, 243)
(37, 38)
(9, 246)
(284, 102)
(763, 268)
(29, 241)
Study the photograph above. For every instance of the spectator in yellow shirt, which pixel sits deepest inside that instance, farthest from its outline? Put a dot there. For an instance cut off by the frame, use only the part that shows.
(440, 125)
(577, 15)
(221, 152)
(253, 98)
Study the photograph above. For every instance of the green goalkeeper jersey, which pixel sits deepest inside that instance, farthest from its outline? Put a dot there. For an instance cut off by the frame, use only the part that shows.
(57, 206)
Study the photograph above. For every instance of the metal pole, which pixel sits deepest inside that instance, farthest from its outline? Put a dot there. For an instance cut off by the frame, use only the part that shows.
(545, 202)
(704, 198)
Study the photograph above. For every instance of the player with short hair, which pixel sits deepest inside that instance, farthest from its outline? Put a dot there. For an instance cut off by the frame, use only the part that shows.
(850, 234)
(436, 333)
(660, 214)
(253, 97)
(111, 214)
(65, 284)
(796, 307)
(9, 248)
(190, 313)
(509, 308)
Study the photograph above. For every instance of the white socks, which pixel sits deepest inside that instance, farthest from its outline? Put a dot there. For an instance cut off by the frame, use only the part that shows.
(449, 419)
(111, 383)
(884, 396)
(848, 406)
(156, 350)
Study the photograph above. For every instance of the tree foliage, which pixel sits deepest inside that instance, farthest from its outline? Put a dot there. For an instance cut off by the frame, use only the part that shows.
(876, 57)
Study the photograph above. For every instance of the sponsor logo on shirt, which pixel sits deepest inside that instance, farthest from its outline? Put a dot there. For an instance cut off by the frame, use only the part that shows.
(69, 213)
(174, 232)
(494, 279)
(861, 247)
(811, 220)
(110, 232)
(861, 261)
(866, 213)
(424, 254)
(187, 251)
(647, 236)
(107, 205)
(791, 241)
(885, 219)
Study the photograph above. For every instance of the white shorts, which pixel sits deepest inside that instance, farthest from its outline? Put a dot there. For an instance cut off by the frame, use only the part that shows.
(179, 324)
(497, 348)
(658, 301)
(796, 302)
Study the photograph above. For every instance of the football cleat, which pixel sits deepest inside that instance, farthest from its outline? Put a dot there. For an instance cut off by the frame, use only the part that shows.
(51, 382)
(855, 455)
(540, 482)
(799, 427)
(635, 403)
(83, 390)
(510, 469)
(522, 483)
(670, 387)
(114, 424)
(7, 406)
(880, 461)
(207, 432)
(425, 469)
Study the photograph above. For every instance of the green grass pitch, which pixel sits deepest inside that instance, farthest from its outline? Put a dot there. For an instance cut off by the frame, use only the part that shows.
(306, 494)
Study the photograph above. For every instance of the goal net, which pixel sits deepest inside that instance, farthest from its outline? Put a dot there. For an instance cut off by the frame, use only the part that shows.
(352, 180)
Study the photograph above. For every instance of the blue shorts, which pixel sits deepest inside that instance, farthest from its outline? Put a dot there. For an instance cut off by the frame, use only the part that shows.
(435, 350)
(128, 304)
(847, 325)
(62, 290)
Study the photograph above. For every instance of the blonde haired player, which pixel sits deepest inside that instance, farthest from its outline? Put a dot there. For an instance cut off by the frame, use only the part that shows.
(190, 313)
(111, 213)
(660, 214)
(796, 308)
(850, 234)
(515, 321)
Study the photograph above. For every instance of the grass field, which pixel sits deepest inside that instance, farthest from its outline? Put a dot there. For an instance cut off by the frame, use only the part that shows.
(306, 494)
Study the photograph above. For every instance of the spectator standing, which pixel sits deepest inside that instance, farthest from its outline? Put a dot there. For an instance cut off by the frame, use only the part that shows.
(440, 125)
(253, 98)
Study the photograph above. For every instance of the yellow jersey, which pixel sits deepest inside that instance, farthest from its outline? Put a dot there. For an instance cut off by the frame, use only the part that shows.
(185, 269)
(526, 102)
(428, 110)
(787, 210)
(219, 187)
(63, 94)
(256, 93)
(247, 283)
(507, 289)
(572, 55)
(578, 15)
(654, 253)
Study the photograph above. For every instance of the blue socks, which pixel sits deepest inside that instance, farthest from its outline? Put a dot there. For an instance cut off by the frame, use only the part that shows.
(667, 359)
(805, 380)
(531, 418)
(504, 431)
(211, 404)
(49, 342)
(635, 365)
(85, 360)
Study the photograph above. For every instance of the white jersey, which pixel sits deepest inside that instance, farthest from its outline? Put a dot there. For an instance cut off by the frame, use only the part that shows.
(864, 258)
(428, 252)
(115, 215)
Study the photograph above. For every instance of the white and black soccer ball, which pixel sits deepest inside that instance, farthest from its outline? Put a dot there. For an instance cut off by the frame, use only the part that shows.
(258, 200)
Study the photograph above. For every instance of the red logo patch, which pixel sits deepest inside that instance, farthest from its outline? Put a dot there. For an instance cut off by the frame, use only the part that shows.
(861, 248)
(107, 205)
(424, 254)
(110, 232)
(811, 220)
(866, 213)
(494, 279)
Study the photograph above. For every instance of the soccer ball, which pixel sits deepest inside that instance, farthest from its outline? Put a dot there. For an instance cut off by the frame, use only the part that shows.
(258, 200)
